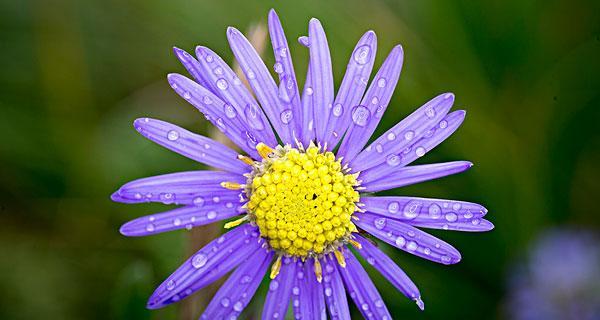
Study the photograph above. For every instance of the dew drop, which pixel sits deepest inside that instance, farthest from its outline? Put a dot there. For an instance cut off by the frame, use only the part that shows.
(238, 306)
(420, 151)
(443, 124)
(379, 148)
(393, 207)
(427, 251)
(408, 135)
(199, 260)
(246, 279)
(273, 285)
(283, 52)
(309, 91)
(430, 112)
(207, 100)
(380, 223)
(177, 222)
(225, 302)
(172, 135)
(435, 211)
(411, 209)
(391, 136)
(296, 291)
(328, 291)
(216, 199)
(170, 285)
(337, 109)
(362, 54)
(393, 160)
(278, 67)
(379, 303)
(187, 95)
(365, 306)
(400, 241)
(411, 246)
(468, 215)
(198, 201)
(446, 259)
(229, 111)
(451, 216)
(286, 116)
(222, 84)
(209, 58)
(456, 206)
(211, 215)
(150, 227)
(375, 100)
(360, 116)
(237, 81)
(381, 82)
(475, 222)
(250, 74)
(218, 70)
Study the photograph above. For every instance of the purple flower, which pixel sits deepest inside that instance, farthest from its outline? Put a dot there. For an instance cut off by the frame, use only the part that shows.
(297, 205)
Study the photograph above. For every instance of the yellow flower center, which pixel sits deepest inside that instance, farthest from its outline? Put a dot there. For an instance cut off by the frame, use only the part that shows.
(302, 201)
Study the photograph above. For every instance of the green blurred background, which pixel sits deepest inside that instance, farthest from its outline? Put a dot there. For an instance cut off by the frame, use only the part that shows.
(75, 74)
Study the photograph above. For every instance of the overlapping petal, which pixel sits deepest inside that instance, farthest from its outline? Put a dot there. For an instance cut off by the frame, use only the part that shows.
(261, 81)
(235, 294)
(366, 116)
(333, 288)
(430, 213)
(362, 290)
(191, 145)
(404, 134)
(408, 238)
(207, 265)
(352, 88)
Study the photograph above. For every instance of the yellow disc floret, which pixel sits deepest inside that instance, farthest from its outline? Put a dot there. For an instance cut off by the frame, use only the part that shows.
(302, 201)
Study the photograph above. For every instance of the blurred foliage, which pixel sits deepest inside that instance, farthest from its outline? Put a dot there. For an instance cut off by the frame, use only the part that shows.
(75, 74)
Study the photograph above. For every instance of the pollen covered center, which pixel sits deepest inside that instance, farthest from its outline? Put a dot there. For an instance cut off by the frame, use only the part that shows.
(302, 201)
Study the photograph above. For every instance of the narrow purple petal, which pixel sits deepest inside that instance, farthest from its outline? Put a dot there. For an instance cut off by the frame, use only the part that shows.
(239, 101)
(207, 265)
(362, 290)
(352, 88)
(404, 176)
(408, 238)
(191, 187)
(261, 82)
(430, 140)
(366, 116)
(430, 213)
(311, 302)
(333, 287)
(280, 290)
(321, 76)
(388, 268)
(288, 86)
(215, 110)
(192, 66)
(191, 145)
(235, 294)
(404, 134)
(308, 114)
(184, 217)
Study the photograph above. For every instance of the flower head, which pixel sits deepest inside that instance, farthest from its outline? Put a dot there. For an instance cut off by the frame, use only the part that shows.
(304, 189)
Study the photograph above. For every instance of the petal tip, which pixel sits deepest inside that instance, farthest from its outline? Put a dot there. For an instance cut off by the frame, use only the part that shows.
(420, 303)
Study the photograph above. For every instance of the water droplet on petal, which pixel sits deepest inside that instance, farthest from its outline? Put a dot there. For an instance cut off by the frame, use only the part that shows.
(222, 84)
(411, 246)
(360, 116)
(273, 285)
(456, 206)
(278, 67)
(177, 222)
(286, 116)
(393, 207)
(207, 100)
(381, 82)
(211, 215)
(391, 136)
(411, 209)
(379, 303)
(229, 111)
(337, 109)
(218, 70)
(199, 260)
(400, 241)
(328, 292)
(209, 58)
(250, 74)
(451, 217)
(408, 135)
(238, 306)
(365, 306)
(172, 135)
(362, 54)
(150, 227)
(170, 285)
(225, 302)
(420, 151)
(309, 91)
(435, 211)
(187, 95)
(283, 52)
(198, 201)
(393, 160)
(430, 112)
(380, 223)
(443, 124)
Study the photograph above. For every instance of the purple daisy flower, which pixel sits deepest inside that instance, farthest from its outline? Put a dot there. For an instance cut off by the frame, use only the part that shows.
(305, 189)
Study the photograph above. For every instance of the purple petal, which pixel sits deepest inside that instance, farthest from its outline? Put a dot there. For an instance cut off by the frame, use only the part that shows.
(215, 110)
(430, 213)
(321, 76)
(191, 187)
(333, 287)
(239, 101)
(310, 304)
(192, 66)
(388, 268)
(366, 116)
(207, 265)
(184, 217)
(408, 238)
(352, 88)
(404, 134)
(261, 82)
(362, 290)
(280, 290)
(191, 145)
(404, 176)
(308, 114)
(235, 294)
(288, 85)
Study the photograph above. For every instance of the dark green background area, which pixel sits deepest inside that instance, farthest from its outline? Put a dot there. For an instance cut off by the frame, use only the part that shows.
(75, 74)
